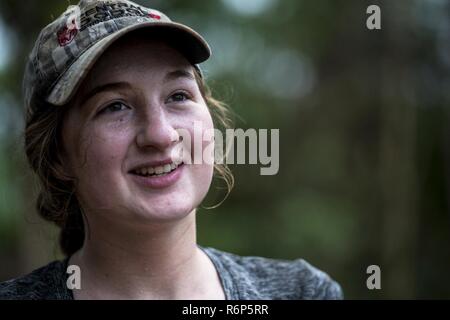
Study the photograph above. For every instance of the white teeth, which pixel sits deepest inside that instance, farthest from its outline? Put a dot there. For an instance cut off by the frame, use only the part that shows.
(159, 170)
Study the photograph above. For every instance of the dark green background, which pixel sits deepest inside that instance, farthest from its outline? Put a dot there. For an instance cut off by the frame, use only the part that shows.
(364, 137)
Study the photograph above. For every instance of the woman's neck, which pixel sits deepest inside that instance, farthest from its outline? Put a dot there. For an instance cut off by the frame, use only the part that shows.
(153, 262)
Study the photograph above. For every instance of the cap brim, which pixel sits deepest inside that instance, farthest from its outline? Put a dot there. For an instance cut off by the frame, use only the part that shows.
(190, 43)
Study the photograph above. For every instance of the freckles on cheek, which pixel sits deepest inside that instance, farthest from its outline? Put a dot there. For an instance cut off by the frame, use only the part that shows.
(202, 140)
(103, 150)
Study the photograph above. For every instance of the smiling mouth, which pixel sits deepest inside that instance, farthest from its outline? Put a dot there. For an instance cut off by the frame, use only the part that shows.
(158, 171)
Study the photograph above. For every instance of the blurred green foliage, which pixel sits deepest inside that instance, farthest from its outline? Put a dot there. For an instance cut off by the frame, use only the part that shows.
(364, 137)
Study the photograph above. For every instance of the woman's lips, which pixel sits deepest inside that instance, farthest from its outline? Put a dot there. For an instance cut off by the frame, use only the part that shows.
(159, 181)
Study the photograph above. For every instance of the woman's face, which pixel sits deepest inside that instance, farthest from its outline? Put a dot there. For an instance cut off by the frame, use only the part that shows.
(122, 128)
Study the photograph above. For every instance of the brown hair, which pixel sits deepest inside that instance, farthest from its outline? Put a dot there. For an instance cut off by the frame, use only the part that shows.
(57, 201)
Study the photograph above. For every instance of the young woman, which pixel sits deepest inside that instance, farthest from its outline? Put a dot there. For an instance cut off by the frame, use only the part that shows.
(108, 88)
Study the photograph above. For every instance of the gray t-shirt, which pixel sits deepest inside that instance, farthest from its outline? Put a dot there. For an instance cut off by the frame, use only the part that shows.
(242, 278)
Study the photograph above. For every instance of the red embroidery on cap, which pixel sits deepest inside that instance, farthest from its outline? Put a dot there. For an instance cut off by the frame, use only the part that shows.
(67, 34)
(154, 16)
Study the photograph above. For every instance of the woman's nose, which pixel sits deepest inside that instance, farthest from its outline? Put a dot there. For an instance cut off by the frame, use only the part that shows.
(156, 131)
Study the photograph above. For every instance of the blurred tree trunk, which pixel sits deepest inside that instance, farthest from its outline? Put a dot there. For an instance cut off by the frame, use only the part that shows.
(398, 167)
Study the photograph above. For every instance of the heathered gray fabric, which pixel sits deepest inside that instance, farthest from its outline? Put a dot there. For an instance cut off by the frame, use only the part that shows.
(258, 278)
(243, 278)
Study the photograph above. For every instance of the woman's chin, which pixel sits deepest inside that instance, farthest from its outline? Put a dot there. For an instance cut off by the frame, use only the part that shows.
(167, 213)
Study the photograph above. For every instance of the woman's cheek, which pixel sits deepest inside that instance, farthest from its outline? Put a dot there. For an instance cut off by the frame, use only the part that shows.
(100, 177)
(207, 134)
(105, 148)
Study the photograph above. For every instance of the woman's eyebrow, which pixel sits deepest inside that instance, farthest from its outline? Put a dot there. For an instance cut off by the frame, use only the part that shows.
(170, 76)
(105, 87)
(174, 75)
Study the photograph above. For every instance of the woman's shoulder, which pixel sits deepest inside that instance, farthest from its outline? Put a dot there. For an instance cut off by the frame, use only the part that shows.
(256, 277)
(44, 283)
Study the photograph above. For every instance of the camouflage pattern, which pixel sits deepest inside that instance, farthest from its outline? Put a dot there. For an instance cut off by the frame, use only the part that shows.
(68, 47)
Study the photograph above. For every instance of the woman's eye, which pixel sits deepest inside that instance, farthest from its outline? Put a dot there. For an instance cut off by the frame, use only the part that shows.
(179, 97)
(114, 107)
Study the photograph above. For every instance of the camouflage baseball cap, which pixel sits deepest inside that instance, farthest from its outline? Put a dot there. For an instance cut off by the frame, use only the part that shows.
(68, 47)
